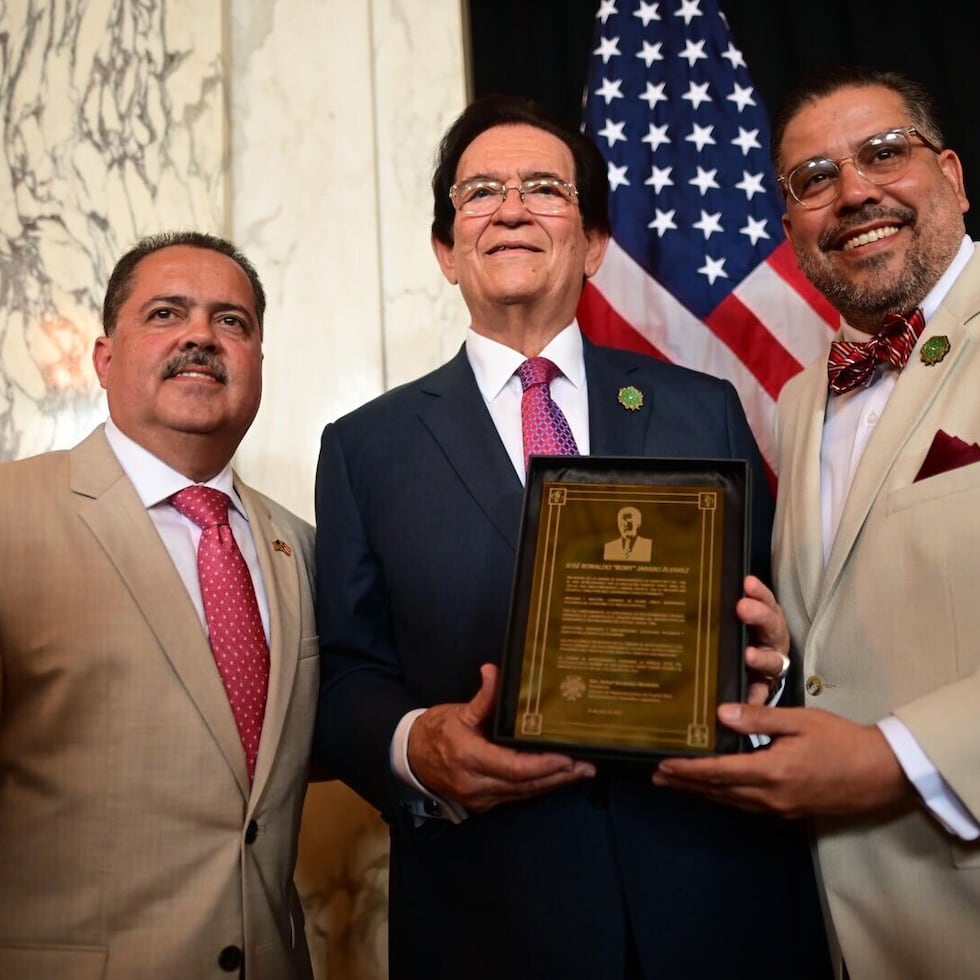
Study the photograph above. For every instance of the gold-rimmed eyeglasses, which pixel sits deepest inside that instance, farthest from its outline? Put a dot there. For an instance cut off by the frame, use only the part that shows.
(541, 195)
(881, 158)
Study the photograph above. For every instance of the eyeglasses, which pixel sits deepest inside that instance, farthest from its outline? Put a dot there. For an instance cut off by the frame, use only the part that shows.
(882, 159)
(543, 195)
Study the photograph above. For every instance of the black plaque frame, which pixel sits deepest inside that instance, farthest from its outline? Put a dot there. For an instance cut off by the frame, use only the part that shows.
(573, 607)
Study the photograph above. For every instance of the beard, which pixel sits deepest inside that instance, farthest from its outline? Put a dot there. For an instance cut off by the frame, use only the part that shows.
(881, 290)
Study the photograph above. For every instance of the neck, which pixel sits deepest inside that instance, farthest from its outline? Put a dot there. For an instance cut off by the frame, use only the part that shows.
(522, 329)
(198, 456)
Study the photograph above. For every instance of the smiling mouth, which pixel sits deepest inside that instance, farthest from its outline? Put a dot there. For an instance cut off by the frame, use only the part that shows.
(512, 247)
(867, 237)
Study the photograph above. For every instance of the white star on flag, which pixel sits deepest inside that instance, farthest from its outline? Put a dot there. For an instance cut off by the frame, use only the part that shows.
(698, 270)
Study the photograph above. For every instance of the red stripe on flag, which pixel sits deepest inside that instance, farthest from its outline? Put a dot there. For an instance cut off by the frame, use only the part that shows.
(603, 325)
(753, 344)
(783, 261)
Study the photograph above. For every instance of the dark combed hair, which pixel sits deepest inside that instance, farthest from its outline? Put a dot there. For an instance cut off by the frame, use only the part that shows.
(590, 177)
(121, 281)
(919, 101)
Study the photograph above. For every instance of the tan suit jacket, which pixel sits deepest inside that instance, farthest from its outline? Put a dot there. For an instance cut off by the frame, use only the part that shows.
(130, 843)
(892, 625)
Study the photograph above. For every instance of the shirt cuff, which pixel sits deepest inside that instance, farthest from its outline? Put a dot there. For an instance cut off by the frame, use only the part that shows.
(936, 793)
(421, 803)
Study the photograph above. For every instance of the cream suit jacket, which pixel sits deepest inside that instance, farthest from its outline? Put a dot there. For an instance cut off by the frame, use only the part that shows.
(892, 625)
(130, 843)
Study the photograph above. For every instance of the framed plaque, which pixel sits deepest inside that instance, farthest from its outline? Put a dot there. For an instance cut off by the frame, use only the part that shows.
(622, 638)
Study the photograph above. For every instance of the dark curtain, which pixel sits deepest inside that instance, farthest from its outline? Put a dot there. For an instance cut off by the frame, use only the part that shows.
(541, 50)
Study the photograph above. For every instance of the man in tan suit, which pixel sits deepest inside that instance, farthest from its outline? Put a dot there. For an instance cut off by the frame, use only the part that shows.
(876, 537)
(133, 842)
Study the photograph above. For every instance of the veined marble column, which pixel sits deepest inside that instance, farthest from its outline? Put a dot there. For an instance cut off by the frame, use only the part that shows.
(112, 126)
(336, 112)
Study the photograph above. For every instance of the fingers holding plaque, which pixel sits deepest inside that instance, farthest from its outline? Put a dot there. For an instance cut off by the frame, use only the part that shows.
(623, 638)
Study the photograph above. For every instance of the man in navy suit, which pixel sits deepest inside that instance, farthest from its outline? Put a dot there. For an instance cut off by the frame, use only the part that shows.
(506, 863)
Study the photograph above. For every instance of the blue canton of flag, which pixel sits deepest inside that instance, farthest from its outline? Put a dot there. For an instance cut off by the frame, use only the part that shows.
(699, 271)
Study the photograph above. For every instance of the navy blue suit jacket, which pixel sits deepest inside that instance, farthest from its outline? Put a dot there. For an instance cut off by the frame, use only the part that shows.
(418, 510)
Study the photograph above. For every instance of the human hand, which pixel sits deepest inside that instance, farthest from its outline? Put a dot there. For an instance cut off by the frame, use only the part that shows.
(767, 656)
(451, 756)
(820, 763)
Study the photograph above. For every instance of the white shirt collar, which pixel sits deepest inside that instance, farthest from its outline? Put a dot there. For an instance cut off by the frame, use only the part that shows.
(494, 363)
(155, 482)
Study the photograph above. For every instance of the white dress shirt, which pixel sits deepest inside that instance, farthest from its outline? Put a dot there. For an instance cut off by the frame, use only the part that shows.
(849, 423)
(155, 482)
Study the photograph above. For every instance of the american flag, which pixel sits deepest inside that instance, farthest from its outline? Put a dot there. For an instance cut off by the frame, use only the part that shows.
(699, 271)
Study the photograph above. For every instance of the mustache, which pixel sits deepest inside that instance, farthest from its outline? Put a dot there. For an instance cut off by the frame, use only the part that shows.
(873, 212)
(196, 359)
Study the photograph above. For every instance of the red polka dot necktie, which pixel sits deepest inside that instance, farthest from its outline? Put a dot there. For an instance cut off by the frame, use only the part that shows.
(543, 424)
(853, 365)
(232, 611)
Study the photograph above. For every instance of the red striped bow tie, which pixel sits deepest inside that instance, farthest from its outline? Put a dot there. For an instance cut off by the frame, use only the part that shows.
(856, 365)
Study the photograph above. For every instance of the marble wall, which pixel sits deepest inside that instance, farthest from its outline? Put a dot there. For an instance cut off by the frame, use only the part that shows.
(112, 124)
(305, 131)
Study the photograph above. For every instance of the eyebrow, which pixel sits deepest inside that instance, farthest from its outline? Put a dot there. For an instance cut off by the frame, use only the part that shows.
(856, 146)
(527, 175)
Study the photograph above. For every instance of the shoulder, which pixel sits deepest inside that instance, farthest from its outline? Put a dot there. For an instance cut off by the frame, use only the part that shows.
(652, 369)
(392, 421)
(412, 393)
(34, 475)
(804, 385)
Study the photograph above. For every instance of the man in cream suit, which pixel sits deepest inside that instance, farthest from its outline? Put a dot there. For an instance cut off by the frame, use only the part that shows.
(133, 842)
(876, 539)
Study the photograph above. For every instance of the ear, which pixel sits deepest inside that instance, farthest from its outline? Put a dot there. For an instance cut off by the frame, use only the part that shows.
(952, 168)
(446, 257)
(101, 356)
(595, 251)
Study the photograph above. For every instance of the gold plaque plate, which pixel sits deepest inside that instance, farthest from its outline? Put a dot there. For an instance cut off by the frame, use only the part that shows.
(623, 637)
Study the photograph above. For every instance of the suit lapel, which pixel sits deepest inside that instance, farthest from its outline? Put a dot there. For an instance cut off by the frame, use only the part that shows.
(615, 430)
(280, 574)
(802, 465)
(454, 412)
(119, 522)
(915, 391)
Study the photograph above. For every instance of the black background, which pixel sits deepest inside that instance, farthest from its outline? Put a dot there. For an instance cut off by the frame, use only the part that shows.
(541, 50)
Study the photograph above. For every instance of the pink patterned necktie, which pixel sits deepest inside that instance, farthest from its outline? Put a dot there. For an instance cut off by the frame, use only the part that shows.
(853, 365)
(543, 424)
(237, 637)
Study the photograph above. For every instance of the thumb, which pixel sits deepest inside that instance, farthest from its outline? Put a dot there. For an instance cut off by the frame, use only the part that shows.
(481, 704)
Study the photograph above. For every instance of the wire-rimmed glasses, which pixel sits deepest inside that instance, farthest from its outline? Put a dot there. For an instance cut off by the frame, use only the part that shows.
(881, 158)
(540, 195)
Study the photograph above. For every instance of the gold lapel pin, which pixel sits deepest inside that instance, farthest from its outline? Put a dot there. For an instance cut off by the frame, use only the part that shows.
(278, 545)
(934, 350)
(631, 398)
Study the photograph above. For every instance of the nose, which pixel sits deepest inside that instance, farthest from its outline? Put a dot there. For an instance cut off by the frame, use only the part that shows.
(855, 188)
(511, 207)
(200, 331)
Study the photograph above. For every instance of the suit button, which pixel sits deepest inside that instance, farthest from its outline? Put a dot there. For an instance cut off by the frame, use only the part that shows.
(230, 959)
(814, 685)
(251, 832)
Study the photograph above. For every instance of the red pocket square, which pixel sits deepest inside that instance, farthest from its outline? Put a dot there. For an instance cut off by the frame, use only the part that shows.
(947, 453)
